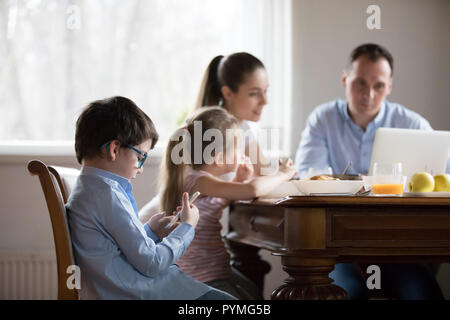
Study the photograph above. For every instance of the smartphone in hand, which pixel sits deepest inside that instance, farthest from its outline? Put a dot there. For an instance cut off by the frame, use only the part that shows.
(175, 218)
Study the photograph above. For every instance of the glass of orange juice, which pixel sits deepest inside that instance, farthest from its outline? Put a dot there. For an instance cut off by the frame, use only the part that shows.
(388, 179)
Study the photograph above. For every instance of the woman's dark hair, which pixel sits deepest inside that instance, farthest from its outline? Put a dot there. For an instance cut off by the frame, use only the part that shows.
(228, 71)
(115, 118)
(374, 52)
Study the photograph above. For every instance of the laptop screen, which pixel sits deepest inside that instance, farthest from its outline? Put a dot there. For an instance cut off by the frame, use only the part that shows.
(417, 150)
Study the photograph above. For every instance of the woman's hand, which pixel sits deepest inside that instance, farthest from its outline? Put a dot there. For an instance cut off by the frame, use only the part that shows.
(244, 170)
(287, 168)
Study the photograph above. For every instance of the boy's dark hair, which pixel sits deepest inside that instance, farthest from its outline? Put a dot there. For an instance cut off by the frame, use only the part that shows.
(374, 52)
(115, 118)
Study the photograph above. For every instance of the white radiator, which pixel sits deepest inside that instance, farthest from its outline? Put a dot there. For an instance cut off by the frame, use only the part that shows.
(28, 276)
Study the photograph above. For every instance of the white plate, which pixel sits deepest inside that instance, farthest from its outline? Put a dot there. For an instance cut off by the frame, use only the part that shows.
(328, 186)
(287, 188)
(427, 194)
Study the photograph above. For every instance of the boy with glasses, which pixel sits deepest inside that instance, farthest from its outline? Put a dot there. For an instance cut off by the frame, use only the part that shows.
(119, 257)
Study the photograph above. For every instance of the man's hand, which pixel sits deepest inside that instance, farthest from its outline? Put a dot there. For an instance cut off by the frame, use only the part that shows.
(158, 223)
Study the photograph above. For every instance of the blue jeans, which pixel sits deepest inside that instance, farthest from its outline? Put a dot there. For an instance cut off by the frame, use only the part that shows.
(401, 281)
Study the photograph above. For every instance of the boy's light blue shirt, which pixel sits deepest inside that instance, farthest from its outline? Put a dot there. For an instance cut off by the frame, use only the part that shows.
(119, 257)
(331, 138)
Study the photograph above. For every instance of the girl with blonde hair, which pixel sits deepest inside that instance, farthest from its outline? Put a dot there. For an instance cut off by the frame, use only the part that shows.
(200, 169)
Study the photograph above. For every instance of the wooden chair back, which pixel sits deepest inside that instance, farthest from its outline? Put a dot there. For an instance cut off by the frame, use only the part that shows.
(66, 178)
(56, 193)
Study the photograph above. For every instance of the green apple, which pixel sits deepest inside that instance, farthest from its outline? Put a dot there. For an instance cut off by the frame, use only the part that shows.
(421, 182)
(442, 182)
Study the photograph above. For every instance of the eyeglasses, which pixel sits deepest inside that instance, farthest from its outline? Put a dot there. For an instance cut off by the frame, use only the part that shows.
(141, 161)
(143, 154)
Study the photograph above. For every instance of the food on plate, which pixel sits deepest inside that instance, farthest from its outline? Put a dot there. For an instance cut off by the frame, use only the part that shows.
(323, 177)
(421, 182)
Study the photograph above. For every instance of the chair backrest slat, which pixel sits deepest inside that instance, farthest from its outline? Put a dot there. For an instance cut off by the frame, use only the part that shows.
(55, 196)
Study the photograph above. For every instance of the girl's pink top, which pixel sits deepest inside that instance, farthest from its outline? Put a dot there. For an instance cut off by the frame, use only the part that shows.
(206, 258)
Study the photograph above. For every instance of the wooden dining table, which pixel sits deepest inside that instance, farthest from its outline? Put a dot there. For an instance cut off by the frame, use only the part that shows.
(312, 233)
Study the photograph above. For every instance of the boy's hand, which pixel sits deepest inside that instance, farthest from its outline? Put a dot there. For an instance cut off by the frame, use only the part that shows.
(244, 171)
(190, 212)
(287, 167)
(158, 223)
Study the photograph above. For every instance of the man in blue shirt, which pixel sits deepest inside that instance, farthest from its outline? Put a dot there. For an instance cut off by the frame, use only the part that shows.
(344, 130)
(332, 138)
(119, 257)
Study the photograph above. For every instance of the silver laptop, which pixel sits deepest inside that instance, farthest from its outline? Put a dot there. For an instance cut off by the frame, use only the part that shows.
(417, 150)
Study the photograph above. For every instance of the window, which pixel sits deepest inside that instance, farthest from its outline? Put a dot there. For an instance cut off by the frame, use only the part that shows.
(60, 55)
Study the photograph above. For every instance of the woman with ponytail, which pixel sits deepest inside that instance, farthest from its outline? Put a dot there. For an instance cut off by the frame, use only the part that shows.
(238, 82)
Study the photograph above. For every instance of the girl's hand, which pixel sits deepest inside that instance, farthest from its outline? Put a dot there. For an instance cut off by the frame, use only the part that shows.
(287, 168)
(244, 171)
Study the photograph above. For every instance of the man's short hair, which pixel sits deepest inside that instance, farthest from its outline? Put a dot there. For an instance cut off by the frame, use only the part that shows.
(115, 118)
(374, 52)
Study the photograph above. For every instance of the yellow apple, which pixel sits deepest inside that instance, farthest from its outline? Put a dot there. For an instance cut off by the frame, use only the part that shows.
(421, 182)
(442, 182)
